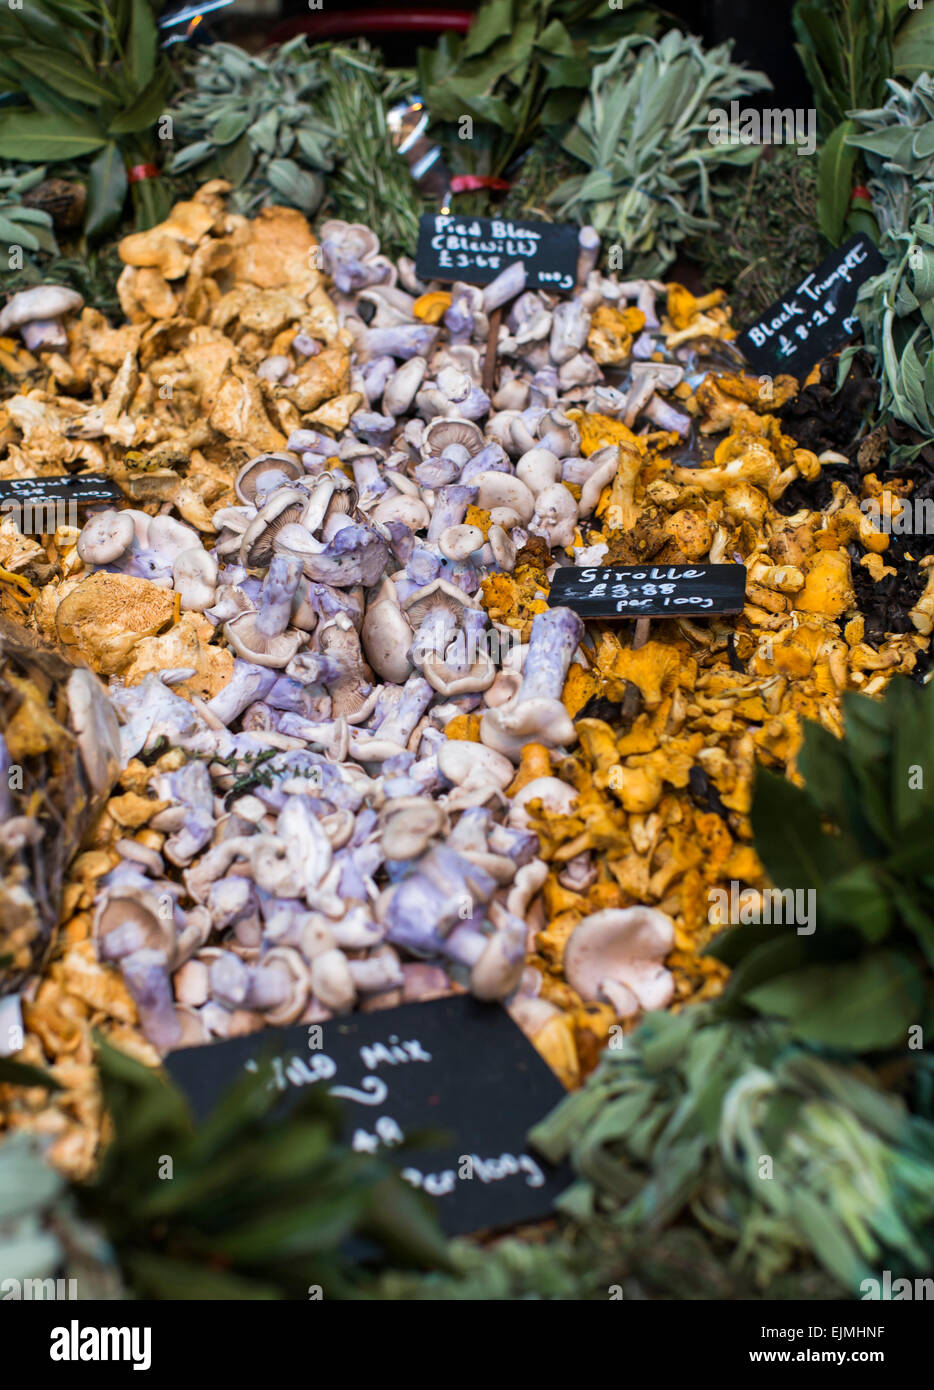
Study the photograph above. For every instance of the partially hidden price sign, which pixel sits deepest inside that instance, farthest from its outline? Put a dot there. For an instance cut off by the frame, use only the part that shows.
(649, 591)
(477, 249)
(815, 317)
(456, 1069)
(39, 505)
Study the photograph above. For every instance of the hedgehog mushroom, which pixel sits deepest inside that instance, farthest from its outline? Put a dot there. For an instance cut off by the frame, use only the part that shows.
(616, 955)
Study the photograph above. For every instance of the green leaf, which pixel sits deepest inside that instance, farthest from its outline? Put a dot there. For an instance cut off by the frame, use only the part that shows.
(15, 234)
(230, 127)
(913, 53)
(22, 1074)
(145, 110)
(795, 850)
(34, 137)
(235, 161)
(303, 190)
(107, 190)
(783, 953)
(835, 182)
(190, 156)
(491, 21)
(263, 132)
(406, 1224)
(142, 43)
(160, 1276)
(861, 1005)
(824, 763)
(63, 74)
(858, 899)
(820, 1228)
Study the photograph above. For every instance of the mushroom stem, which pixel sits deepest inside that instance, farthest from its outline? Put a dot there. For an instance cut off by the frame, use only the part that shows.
(275, 600)
(450, 508)
(436, 631)
(269, 987)
(588, 242)
(146, 976)
(506, 286)
(399, 724)
(666, 417)
(466, 647)
(45, 335)
(556, 635)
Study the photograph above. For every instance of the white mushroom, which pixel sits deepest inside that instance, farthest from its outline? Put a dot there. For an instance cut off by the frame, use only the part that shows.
(617, 956)
(194, 574)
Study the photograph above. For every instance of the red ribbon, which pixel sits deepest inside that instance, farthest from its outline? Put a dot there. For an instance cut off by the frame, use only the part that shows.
(138, 172)
(468, 183)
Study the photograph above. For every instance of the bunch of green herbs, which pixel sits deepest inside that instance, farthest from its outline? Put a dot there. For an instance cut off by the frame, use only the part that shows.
(857, 835)
(896, 308)
(845, 48)
(28, 228)
(644, 134)
(768, 237)
(770, 1147)
(92, 81)
(251, 119)
(518, 72)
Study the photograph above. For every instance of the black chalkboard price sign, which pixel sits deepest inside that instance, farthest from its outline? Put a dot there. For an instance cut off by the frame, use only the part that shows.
(477, 249)
(815, 317)
(40, 505)
(455, 1068)
(650, 591)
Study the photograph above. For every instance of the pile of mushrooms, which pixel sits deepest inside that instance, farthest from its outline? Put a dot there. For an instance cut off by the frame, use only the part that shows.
(363, 761)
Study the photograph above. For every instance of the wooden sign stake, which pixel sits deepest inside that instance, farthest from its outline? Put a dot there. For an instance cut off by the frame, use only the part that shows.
(489, 361)
(629, 707)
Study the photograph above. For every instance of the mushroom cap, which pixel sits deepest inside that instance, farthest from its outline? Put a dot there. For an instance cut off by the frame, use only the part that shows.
(557, 797)
(295, 542)
(285, 507)
(555, 515)
(287, 958)
(98, 732)
(538, 468)
(247, 641)
(451, 429)
(503, 689)
(193, 1030)
(495, 490)
(501, 544)
(332, 982)
(460, 542)
(170, 537)
(508, 728)
(399, 506)
(142, 909)
(625, 948)
(40, 302)
(386, 637)
(265, 473)
(194, 573)
(438, 594)
(469, 764)
(400, 390)
(353, 240)
(105, 537)
(480, 675)
(408, 825)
